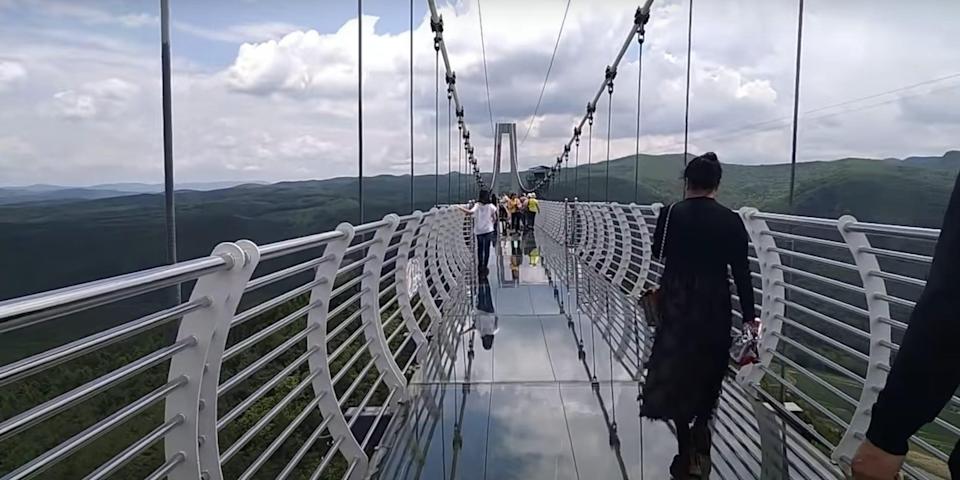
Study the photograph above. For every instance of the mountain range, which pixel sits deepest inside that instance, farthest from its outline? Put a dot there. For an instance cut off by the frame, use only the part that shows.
(45, 192)
(62, 241)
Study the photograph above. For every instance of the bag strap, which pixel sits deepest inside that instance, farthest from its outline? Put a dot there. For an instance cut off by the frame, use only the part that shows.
(663, 241)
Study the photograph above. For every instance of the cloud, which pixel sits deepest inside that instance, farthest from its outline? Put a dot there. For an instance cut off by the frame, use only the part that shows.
(106, 98)
(71, 105)
(248, 32)
(91, 15)
(11, 73)
(282, 102)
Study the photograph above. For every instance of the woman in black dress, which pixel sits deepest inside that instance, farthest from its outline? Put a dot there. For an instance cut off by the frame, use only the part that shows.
(691, 349)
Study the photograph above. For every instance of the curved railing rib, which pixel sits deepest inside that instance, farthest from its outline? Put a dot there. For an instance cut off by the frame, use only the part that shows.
(834, 297)
(269, 366)
(325, 334)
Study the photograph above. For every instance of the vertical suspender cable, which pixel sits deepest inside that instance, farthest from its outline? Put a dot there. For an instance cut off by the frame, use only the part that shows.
(170, 218)
(556, 46)
(449, 147)
(360, 107)
(636, 158)
(793, 157)
(460, 163)
(606, 180)
(576, 165)
(590, 156)
(486, 78)
(413, 205)
(796, 105)
(436, 127)
(686, 108)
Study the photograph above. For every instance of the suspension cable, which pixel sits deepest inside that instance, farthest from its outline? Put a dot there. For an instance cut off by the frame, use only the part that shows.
(460, 159)
(796, 106)
(413, 205)
(611, 74)
(486, 78)
(360, 107)
(636, 158)
(686, 109)
(546, 78)
(640, 18)
(437, 27)
(576, 165)
(449, 140)
(590, 109)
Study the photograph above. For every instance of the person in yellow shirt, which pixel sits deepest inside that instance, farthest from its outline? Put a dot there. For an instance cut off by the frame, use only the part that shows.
(513, 210)
(533, 208)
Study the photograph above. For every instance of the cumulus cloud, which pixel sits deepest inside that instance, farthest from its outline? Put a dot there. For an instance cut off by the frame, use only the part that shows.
(282, 104)
(247, 32)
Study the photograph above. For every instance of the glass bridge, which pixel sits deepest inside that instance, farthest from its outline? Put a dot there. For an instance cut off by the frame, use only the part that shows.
(377, 351)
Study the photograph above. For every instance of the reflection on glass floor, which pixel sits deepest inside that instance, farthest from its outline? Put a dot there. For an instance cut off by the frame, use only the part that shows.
(534, 406)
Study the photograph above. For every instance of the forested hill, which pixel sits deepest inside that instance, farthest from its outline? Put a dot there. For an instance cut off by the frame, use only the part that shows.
(914, 191)
(52, 244)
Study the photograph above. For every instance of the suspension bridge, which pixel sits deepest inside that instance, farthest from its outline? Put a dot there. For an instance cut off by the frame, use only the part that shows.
(355, 353)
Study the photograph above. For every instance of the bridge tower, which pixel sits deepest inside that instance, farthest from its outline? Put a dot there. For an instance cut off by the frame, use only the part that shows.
(510, 130)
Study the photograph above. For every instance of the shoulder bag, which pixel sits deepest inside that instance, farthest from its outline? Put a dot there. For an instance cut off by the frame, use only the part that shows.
(650, 299)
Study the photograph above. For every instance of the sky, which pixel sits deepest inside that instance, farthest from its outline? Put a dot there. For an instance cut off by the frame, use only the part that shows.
(267, 90)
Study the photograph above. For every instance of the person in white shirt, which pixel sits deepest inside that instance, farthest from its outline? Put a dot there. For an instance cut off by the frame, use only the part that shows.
(484, 227)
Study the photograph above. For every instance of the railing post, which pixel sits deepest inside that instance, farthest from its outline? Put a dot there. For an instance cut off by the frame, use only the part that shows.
(626, 245)
(409, 275)
(657, 208)
(196, 438)
(422, 253)
(370, 302)
(646, 241)
(772, 307)
(874, 288)
(607, 216)
(326, 274)
(437, 265)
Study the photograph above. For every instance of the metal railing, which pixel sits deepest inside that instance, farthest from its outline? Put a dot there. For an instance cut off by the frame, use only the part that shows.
(834, 297)
(286, 359)
(293, 358)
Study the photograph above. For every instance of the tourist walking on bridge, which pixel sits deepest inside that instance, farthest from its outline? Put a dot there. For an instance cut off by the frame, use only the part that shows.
(533, 208)
(698, 239)
(484, 227)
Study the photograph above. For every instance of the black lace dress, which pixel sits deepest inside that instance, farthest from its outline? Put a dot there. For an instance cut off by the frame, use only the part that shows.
(691, 348)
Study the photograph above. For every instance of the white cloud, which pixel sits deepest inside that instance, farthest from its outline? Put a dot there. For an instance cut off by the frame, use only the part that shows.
(105, 98)
(286, 106)
(74, 106)
(248, 32)
(88, 14)
(11, 73)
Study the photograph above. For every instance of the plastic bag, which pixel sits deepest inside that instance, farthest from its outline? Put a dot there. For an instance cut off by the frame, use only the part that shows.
(745, 347)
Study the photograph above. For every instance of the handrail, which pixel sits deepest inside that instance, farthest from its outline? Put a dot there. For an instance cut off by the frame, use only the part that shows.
(809, 299)
(356, 279)
(26, 311)
(357, 306)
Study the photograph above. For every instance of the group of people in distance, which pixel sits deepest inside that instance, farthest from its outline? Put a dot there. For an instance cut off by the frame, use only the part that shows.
(519, 212)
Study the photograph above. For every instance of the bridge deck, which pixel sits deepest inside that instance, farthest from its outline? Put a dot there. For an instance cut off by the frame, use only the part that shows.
(533, 407)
